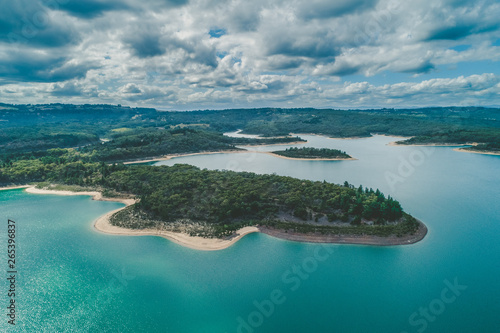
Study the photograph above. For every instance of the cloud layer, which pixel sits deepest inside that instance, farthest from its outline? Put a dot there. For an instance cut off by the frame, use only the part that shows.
(197, 54)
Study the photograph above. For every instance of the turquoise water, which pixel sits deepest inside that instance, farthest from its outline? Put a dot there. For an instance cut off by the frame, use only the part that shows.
(74, 279)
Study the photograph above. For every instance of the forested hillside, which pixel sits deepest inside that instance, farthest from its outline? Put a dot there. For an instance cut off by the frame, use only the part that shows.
(35, 141)
(151, 142)
(230, 200)
(445, 125)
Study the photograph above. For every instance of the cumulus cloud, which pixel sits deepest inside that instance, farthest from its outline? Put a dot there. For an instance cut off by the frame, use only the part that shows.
(72, 89)
(144, 45)
(32, 66)
(30, 23)
(193, 54)
(473, 88)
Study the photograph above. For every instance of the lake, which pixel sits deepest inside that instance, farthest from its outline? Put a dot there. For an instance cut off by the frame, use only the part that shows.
(72, 278)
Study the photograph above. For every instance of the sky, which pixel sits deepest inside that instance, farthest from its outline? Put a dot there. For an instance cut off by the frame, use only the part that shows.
(207, 54)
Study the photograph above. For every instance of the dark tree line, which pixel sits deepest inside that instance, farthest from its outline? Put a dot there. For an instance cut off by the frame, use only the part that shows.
(309, 152)
(184, 191)
(38, 127)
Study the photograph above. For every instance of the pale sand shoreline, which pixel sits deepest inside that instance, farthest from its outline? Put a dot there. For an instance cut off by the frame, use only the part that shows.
(171, 156)
(395, 143)
(168, 157)
(102, 224)
(348, 138)
(349, 239)
(463, 150)
(13, 187)
(94, 194)
(253, 136)
(476, 152)
(353, 137)
(329, 137)
(392, 136)
(193, 242)
(275, 144)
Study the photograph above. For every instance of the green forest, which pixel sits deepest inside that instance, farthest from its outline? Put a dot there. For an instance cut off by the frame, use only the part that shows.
(37, 127)
(85, 145)
(231, 200)
(127, 144)
(132, 144)
(312, 153)
(224, 199)
(493, 147)
(459, 137)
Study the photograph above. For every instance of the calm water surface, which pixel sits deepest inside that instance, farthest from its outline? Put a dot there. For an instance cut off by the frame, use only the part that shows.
(74, 279)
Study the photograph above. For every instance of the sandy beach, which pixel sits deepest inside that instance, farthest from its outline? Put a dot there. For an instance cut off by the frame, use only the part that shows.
(329, 137)
(94, 195)
(213, 244)
(476, 152)
(463, 150)
(102, 224)
(353, 137)
(393, 136)
(395, 143)
(197, 243)
(275, 144)
(13, 187)
(252, 136)
(348, 239)
(168, 157)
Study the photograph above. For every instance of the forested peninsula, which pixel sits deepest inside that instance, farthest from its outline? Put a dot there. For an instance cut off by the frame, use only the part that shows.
(213, 204)
(485, 140)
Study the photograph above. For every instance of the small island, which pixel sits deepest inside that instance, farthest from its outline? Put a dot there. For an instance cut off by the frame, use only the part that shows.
(309, 153)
